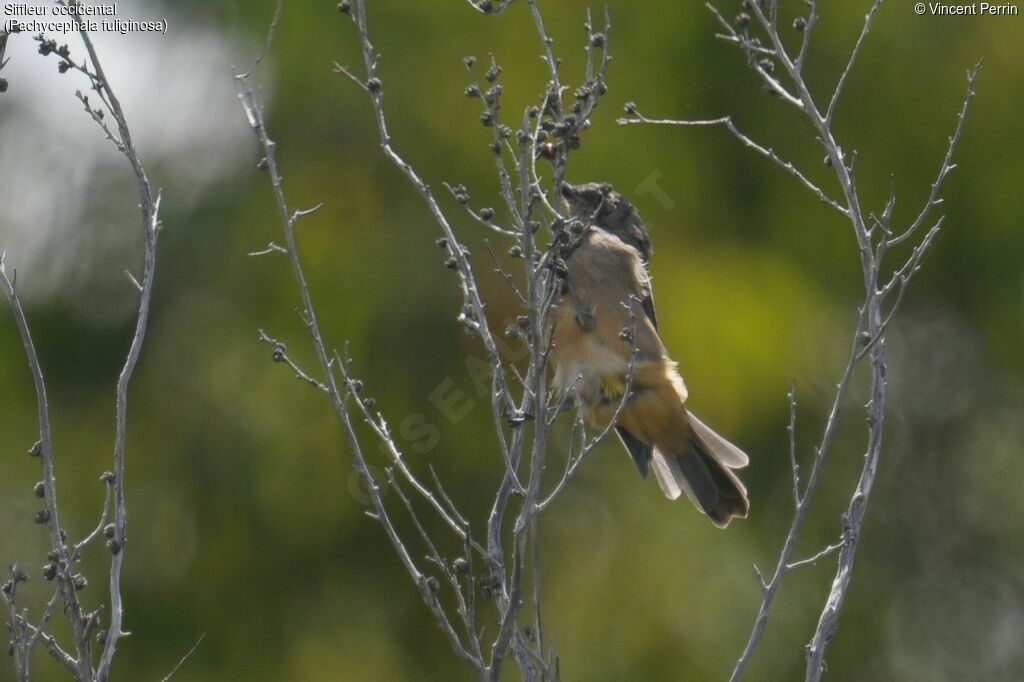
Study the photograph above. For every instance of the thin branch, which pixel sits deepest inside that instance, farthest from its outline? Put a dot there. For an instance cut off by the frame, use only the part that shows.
(19, 651)
(55, 650)
(947, 161)
(268, 41)
(460, 254)
(4, 36)
(380, 428)
(854, 516)
(345, 71)
(771, 586)
(271, 248)
(505, 275)
(871, 325)
(150, 208)
(280, 354)
(48, 611)
(448, 501)
(812, 20)
(104, 515)
(793, 461)
(738, 40)
(44, 448)
(853, 56)
(475, 215)
(815, 558)
(429, 586)
(752, 49)
(254, 114)
(766, 152)
(549, 55)
(490, 6)
(201, 637)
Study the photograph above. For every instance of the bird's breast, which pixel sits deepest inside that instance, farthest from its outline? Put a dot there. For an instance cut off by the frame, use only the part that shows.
(587, 364)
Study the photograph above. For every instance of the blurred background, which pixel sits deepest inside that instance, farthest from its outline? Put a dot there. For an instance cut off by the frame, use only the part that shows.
(247, 522)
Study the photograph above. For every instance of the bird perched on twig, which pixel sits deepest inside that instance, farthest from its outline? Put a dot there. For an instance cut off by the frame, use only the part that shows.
(605, 343)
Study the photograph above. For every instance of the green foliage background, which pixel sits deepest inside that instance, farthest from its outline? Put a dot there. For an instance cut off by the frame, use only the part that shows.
(246, 523)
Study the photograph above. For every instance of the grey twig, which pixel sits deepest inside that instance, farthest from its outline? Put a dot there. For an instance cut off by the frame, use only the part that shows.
(767, 152)
(280, 354)
(811, 560)
(853, 54)
(271, 248)
(752, 49)
(493, 7)
(4, 36)
(191, 651)
(345, 71)
(508, 550)
(812, 19)
(328, 383)
(475, 215)
(430, 587)
(44, 449)
(64, 555)
(149, 206)
(267, 43)
(459, 253)
(380, 428)
(947, 161)
(868, 338)
(794, 463)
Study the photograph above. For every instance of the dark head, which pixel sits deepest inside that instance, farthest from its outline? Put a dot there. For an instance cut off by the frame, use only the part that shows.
(598, 204)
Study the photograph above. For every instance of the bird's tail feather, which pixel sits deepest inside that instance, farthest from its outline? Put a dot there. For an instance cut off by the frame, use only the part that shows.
(705, 475)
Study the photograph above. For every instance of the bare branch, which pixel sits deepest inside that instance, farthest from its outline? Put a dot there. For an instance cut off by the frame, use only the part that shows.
(44, 449)
(812, 19)
(255, 65)
(150, 208)
(4, 36)
(271, 248)
(134, 282)
(853, 56)
(768, 153)
(771, 586)
(752, 49)
(793, 461)
(815, 558)
(55, 650)
(460, 254)
(869, 333)
(492, 7)
(280, 354)
(380, 428)
(195, 646)
(429, 586)
(104, 516)
(947, 162)
(477, 216)
(345, 71)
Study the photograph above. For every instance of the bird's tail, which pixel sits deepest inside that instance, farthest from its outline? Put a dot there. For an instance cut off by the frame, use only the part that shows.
(703, 470)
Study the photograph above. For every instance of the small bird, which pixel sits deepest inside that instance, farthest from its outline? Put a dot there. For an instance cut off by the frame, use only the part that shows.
(606, 314)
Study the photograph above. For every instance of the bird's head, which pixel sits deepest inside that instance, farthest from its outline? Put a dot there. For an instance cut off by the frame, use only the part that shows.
(598, 204)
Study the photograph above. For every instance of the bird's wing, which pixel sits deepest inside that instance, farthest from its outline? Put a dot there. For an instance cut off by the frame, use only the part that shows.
(648, 304)
(640, 453)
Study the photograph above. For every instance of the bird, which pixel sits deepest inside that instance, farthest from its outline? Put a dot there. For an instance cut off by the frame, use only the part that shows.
(604, 341)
